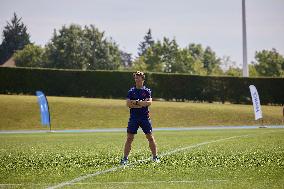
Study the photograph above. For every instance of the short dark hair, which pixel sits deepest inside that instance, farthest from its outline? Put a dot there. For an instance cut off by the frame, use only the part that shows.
(140, 74)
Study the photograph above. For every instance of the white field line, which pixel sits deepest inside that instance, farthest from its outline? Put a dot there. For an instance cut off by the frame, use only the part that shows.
(113, 183)
(200, 144)
(150, 182)
(76, 180)
(22, 185)
(124, 130)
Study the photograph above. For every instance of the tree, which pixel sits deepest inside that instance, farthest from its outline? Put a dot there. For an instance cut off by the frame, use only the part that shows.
(234, 71)
(196, 65)
(167, 56)
(31, 56)
(196, 51)
(126, 59)
(252, 71)
(67, 49)
(87, 49)
(139, 64)
(164, 57)
(205, 62)
(230, 67)
(227, 63)
(269, 63)
(153, 58)
(105, 54)
(211, 62)
(144, 45)
(15, 37)
(170, 54)
(188, 64)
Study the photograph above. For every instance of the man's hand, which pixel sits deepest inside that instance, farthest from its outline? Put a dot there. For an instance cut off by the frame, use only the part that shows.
(147, 102)
(138, 103)
(132, 104)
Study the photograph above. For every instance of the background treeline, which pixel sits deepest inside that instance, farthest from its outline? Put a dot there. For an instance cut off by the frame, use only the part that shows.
(114, 84)
(87, 48)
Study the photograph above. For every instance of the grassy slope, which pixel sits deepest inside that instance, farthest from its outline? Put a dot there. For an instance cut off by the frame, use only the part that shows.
(22, 112)
(38, 160)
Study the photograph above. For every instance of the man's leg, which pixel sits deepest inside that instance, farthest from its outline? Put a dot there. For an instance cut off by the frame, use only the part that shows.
(127, 146)
(152, 144)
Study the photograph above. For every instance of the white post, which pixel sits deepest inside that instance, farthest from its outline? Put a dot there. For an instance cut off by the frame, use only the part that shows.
(245, 64)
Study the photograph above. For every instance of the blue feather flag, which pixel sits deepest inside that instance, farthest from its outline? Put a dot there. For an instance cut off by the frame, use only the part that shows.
(44, 111)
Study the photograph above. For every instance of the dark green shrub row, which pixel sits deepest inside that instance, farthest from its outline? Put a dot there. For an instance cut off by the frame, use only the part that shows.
(115, 84)
(220, 89)
(65, 82)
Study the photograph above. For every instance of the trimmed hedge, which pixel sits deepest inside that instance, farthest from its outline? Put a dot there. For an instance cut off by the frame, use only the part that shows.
(220, 89)
(64, 82)
(115, 84)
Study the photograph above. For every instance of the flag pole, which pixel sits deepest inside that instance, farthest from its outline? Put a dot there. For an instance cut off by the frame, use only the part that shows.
(245, 63)
(49, 115)
(262, 124)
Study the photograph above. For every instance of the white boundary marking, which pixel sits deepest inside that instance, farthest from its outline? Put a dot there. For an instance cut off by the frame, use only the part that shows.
(76, 180)
(113, 183)
(150, 182)
(23, 184)
(197, 128)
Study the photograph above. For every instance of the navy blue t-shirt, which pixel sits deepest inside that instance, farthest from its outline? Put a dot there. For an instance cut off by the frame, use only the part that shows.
(139, 94)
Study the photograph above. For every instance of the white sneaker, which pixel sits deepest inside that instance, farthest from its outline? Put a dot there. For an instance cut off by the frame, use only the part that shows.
(156, 159)
(123, 161)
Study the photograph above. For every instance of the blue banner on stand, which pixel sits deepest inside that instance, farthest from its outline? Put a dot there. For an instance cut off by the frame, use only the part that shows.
(43, 105)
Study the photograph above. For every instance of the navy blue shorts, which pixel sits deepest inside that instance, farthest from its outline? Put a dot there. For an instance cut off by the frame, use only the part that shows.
(144, 123)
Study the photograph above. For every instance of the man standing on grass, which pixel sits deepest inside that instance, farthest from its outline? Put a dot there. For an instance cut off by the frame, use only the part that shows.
(138, 100)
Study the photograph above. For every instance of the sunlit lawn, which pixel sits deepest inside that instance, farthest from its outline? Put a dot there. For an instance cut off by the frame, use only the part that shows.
(252, 158)
(22, 112)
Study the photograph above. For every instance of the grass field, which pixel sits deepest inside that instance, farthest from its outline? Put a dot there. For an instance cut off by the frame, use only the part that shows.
(22, 112)
(251, 158)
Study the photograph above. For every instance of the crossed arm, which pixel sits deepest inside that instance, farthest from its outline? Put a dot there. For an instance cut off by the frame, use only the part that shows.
(138, 104)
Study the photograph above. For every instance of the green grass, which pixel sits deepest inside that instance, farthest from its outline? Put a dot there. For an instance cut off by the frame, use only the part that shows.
(41, 160)
(22, 112)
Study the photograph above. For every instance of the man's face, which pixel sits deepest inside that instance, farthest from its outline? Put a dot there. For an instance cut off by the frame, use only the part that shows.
(138, 79)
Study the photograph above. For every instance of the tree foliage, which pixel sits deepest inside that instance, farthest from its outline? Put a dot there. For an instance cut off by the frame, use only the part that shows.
(15, 37)
(126, 59)
(144, 45)
(211, 62)
(167, 56)
(269, 63)
(88, 49)
(31, 56)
